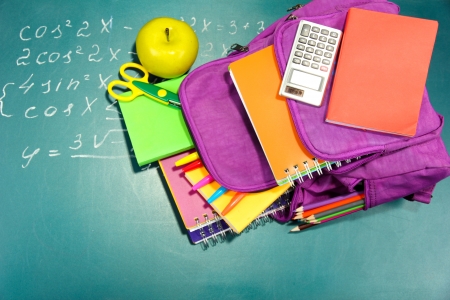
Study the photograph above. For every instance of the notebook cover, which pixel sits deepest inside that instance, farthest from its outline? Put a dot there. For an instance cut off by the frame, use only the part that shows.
(247, 210)
(381, 72)
(156, 130)
(258, 81)
(190, 204)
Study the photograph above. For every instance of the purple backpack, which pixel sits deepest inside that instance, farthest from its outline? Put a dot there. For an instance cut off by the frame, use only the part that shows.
(388, 166)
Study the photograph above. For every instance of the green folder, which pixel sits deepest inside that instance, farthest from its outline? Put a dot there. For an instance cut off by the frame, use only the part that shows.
(156, 130)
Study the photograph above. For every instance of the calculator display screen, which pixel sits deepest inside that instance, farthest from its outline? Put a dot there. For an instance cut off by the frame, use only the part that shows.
(307, 80)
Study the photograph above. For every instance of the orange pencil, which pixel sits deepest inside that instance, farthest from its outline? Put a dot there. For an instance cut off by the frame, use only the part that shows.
(233, 202)
(319, 209)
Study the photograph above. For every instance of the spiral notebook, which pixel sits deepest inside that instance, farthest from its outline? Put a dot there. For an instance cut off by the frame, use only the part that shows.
(217, 230)
(193, 209)
(252, 207)
(203, 224)
(257, 80)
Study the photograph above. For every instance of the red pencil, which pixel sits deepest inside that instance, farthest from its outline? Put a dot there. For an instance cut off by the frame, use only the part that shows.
(194, 165)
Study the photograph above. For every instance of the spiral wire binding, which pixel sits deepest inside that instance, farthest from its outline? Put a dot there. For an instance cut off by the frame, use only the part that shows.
(317, 168)
(202, 233)
(212, 231)
(317, 165)
(279, 206)
(289, 178)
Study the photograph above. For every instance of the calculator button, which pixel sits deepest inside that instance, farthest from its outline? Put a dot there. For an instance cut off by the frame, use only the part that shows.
(316, 59)
(332, 41)
(311, 43)
(314, 66)
(298, 53)
(328, 55)
(326, 62)
(320, 45)
(307, 56)
(324, 32)
(319, 52)
(323, 68)
(314, 36)
(322, 38)
(302, 40)
(310, 49)
(300, 47)
(296, 61)
(315, 29)
(329, 48)
(334, 34)
(305, 30)
(305, 63)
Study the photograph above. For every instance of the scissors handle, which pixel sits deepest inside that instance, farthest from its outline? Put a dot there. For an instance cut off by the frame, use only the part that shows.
(131, 65)
(133, 91)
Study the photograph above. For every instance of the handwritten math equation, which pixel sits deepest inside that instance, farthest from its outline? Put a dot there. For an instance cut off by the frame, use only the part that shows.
(111, 137)
(96, 53)
(87, 43)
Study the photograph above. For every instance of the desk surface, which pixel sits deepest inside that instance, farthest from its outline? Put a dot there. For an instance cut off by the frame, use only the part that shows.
(80, 220)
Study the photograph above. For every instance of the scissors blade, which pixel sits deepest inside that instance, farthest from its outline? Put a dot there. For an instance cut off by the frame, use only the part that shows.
(158, 93)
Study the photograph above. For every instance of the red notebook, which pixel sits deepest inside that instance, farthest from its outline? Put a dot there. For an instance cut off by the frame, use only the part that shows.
(381, 72)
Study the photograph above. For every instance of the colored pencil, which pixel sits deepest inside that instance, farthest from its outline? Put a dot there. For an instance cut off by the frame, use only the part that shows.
(319, 220)
(339, 216)
(326, 202)
(187, 159)
(319, 209)
(204, 181)
(335, 210)
(303, 227)
(219, 192)
(193, 165)
(233, 202)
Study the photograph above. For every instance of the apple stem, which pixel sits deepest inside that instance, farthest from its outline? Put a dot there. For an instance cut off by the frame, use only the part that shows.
(167, 34)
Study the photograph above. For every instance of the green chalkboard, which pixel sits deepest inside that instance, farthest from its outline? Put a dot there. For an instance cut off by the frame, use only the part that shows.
(79, 219)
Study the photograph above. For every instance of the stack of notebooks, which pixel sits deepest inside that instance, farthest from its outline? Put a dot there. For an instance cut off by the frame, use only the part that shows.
(205, 222)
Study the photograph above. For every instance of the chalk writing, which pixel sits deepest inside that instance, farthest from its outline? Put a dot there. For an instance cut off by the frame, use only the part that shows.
(51, 90)
(28, 155)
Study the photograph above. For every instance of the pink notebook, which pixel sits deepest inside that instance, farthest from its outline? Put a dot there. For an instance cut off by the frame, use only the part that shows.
(190, 204)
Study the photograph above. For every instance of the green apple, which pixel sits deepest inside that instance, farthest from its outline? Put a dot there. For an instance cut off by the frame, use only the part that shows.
(166, 47)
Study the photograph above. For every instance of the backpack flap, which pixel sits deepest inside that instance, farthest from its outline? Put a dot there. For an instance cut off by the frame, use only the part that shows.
(218, 122)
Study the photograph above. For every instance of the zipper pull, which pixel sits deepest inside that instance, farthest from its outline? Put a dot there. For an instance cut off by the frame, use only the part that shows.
(239, 48)
(291, 17)
(295, 7)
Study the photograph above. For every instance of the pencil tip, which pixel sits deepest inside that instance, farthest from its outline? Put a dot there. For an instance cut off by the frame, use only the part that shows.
(295, 229)
(299, 210)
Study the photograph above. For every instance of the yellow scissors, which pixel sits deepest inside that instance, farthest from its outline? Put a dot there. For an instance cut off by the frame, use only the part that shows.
(139, 86)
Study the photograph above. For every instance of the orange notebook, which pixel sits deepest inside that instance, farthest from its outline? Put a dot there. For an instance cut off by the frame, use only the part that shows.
(258, 81)
(381, 72)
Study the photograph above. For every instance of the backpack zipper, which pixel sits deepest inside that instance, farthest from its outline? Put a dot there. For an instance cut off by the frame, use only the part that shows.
(239, 48)
(295, 7)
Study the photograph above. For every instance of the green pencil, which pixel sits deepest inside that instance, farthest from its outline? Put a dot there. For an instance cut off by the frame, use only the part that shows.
(336, 214)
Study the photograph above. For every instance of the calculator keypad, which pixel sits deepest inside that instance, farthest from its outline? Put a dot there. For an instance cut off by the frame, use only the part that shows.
(310, 63)
(320, 42)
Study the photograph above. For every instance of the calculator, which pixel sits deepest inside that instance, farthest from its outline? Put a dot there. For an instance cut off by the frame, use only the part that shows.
(310, 62)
